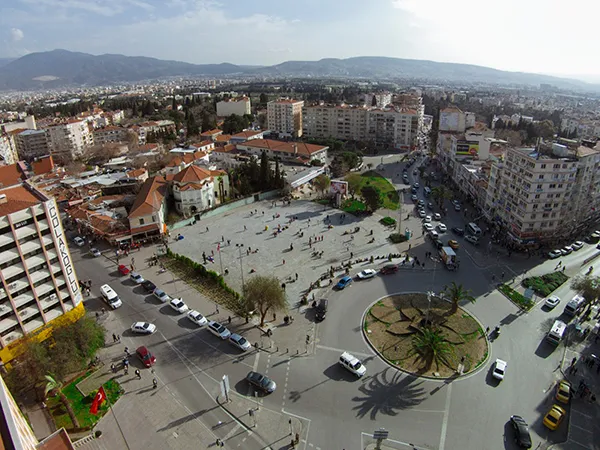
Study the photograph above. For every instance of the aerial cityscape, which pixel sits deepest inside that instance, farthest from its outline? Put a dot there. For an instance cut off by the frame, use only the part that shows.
(245, 241)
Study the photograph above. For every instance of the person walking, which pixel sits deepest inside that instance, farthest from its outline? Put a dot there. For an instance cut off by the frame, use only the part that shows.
(138, 374)
(154, 383)
(114, 337)
(127, 351)
(113, 368)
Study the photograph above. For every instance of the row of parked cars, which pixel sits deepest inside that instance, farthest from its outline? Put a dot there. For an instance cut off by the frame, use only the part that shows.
(567, 249)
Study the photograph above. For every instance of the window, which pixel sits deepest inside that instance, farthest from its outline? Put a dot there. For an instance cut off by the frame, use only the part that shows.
(552, 186)
(141, 221)
(556, 166)
(543, 166)
(541, 177)
(539, 186)
(537, 195)
(153, 218)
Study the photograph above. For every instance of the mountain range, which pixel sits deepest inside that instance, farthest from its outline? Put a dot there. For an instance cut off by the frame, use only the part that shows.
(62, 68)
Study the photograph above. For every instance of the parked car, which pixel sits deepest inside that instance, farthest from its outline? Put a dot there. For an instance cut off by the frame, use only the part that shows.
(453, 244)
(522, 436)
(145, 356)
(427, 227)
(79, 241)
(148, 285)
(437, 216)
(563, 391)
(472, 239)
(414, 197)
(218, 330)
(95, 252)
(416, 185)
(161, 295)
(438, 243)
(179, 305)
(365, 274)
(389, 268)
(457, 208)
(136, 278)
(422, 214)
(197, 318)
(240, 342)
(123, 270)
(143, 328)
(499, 369)
(554, 417)
(552, 301)
(566, 250)
(458, 231)
(261, 382)
(430, 205)
(345, 281)
(554, 254)
(442, 227)
(577, 245)
(427, 219)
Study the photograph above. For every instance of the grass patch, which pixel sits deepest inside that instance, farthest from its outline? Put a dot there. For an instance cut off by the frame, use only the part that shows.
(546, 284)
(353, 206)
(388, 191)
(81, 404)
(388, 221)
(517, 298)
(397, 238)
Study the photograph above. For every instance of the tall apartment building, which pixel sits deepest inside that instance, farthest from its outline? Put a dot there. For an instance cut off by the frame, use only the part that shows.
(32, 144)
(454, 119)
(285, 117)
(38, 283)
(393, 127)
(8, 146)
(239, 106)
(70, 139)
(110, 134)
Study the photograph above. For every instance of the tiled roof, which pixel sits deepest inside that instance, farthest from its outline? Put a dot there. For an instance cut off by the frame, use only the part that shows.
(136, 173)
(43, 165)
(223, 138)
(285, 147)
(150, 197)
(211, 132)
(17, 198)
(226, 149)
(247, 134)
(192, 174)
(147, 147)
(10, 175)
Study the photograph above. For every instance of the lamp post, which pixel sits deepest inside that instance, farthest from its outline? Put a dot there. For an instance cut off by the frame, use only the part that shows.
(240, 246)
(429, 295)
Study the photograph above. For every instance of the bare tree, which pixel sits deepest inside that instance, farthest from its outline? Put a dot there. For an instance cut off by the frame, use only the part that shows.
(265, 294)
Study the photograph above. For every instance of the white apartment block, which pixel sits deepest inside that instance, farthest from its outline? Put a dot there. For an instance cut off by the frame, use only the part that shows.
(453, 119)
(382, 99)
(395, 127)
(69, 140)
(143, 129)
(285, 117)
(32, 144)
(110, 134)
(239, 106)
(8, 147)
(584, 128)
(37, 278)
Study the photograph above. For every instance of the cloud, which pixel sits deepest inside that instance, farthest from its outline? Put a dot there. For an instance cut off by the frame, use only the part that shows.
(108, 8)
(16, 34)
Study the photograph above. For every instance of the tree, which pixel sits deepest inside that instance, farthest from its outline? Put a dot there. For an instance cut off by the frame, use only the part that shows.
(589, 287)
(56, 385)
(374, 101)
(432, 346)
(545, 130)
(264, 293)
(192, 126)
(322, 183)
(265, 171)
(372, 197)
(174, 104)
(456, 293)
(440, 193)
(234, 124)
(278, 179)
(354, 181)
(264, 99)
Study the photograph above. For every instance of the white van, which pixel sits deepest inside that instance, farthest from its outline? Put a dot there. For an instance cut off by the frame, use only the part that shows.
(473, 229)
(427, 191)
(557, 332)
(110, 296)
(352, 364)
(574, 305)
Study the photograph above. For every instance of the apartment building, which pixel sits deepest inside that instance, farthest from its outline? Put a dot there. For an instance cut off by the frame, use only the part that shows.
(454, 119)
(293, 152)
(197, 189)
(394, 127)
(110, 134)
(344, 122)
(38, 283)
(31, 144)
(69, 140)
(285, 117)
(8, 146)
(239, 106)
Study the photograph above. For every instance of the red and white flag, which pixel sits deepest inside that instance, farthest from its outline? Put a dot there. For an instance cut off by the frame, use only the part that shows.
(98, 400)
(219, 247)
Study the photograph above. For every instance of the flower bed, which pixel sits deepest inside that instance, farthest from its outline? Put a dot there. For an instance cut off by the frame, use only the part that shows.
(546, 284)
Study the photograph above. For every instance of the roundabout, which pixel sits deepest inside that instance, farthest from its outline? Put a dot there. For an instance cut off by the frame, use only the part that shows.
(425, 335)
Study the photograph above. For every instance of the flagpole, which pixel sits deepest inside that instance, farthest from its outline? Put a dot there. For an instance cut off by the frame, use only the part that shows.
(117, 422)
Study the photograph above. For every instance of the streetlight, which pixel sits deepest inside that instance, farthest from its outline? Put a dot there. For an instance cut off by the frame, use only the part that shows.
(239, 246)
(429, 295)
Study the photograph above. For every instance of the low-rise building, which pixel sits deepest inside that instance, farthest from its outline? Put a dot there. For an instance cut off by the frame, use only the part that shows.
(197, 189)
(110, 134)
(247, 135)
(293, 152)
(147, 215)
(211, 134)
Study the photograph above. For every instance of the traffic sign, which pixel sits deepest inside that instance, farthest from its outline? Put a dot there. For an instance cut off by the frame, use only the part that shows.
(380, 434)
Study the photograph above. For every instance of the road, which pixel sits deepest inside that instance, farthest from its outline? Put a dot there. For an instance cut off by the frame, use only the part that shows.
(469, 413)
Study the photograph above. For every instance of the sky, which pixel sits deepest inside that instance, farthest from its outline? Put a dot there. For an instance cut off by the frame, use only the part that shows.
(542, 36)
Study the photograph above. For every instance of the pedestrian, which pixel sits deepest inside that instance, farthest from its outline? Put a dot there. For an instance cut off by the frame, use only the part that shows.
(138, 374)
(114, 337)
(296, 277)
(245, 228)
(154, 383)
(217, 309)
(222, 238)
(229, 319)
(127, 351)
(284, 262)
(574, 370)
(228, 242)
(487, 330)
(574, 360)
(274, 317)
(564, 267)
(118, 338)
(113, 368)
(502, 275)
(126, 369)
(409, 246)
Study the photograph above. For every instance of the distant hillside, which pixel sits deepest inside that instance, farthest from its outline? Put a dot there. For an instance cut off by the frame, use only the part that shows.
(59, 68)
(5, 61)
(63, 68)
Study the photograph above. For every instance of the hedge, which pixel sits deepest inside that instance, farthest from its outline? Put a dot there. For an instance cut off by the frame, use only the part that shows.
(516, 297)
(397, 238)
(388, 221)
(546, 284)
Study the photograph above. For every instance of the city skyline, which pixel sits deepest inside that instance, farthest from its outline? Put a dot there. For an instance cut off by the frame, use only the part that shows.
(270, 32)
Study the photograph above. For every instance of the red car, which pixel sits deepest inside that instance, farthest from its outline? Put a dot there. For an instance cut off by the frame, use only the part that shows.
(145, 356)
(389, 268)
(123, 270)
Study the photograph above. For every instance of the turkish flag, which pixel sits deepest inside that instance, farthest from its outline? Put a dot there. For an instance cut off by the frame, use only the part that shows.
(98, 400)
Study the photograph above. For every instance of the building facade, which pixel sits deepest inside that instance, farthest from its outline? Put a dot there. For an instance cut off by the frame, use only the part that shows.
(147, 215)
(239, 106)
(32, 144)
(197, 189)
(69, 140)
(285, 117)
(8, 147)
(292, 152)
(110, 134)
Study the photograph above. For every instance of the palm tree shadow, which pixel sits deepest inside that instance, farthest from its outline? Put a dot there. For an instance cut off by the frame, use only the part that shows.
(388, 392)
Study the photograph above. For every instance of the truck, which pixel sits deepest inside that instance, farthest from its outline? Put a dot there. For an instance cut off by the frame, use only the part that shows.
(449, 258)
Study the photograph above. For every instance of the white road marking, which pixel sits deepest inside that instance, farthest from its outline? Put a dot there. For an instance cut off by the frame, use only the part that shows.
(366, 355)
(370, 436)
(255, 365)
(232, 432)
(582, 414)
(445, 421)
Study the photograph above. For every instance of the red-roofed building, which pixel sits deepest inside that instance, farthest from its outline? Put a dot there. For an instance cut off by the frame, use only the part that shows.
(295, 152)
(147, 215)
(211, 134)
(247, 135)
(43, 165)
(138, 174)
(11, 175)
(196, 189)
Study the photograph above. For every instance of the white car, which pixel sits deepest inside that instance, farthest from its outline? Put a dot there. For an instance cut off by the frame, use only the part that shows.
(427, 227)
(136, 278)
(442, 227)
(367, 273)
(240, 342)
(161, 295)
(566, 250)
(472, 239)
(218, 330)
(422, 213)
(197, 318)
(143, 328)
(552, 301)
(499, 369)
(427, 219)
(577, 245)
(555, 254)
(95, 252)
(179, 305)
(456, 208)
(79, 242)
(437, 216)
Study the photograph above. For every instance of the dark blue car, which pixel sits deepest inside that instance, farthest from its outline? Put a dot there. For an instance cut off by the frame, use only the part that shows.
(344, 282)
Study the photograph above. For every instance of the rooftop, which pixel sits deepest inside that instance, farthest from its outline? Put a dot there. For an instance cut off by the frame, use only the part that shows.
(17, 199)
(31, 132)
(150, 197)
(300, 148)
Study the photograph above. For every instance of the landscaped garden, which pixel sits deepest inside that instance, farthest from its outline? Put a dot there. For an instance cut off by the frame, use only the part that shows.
(545, 284)
(389, 195)
(516, 297)
(427, 338)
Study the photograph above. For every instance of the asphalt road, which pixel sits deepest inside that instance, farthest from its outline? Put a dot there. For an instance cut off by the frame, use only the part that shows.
(469, 413)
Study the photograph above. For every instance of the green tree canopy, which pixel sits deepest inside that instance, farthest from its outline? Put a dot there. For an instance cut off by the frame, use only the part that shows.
(52, 384)
(235, 124)
(432, 347)
(587, 286)
(354, 181)
(264, 293)
(372, 197)
(322, 183)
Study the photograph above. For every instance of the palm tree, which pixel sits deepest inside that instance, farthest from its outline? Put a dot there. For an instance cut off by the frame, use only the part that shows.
(56, 385)
(457, 293)
(441, 193)
(432, 346)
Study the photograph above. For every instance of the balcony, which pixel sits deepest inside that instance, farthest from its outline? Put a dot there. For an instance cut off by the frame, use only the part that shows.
(8, 256)
(34, 324)
(23, 299)
(30, 246)
(26, 231)
(11, 271)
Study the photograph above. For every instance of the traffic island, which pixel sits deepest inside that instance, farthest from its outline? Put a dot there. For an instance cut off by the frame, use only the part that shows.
(422, 335)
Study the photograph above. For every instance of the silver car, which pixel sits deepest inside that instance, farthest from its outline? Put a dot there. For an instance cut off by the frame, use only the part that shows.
(240, 342)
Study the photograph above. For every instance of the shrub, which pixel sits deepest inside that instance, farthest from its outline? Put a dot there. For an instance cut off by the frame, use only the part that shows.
(388, 221)
(397, 238)
(545, 284)
(516, 297)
